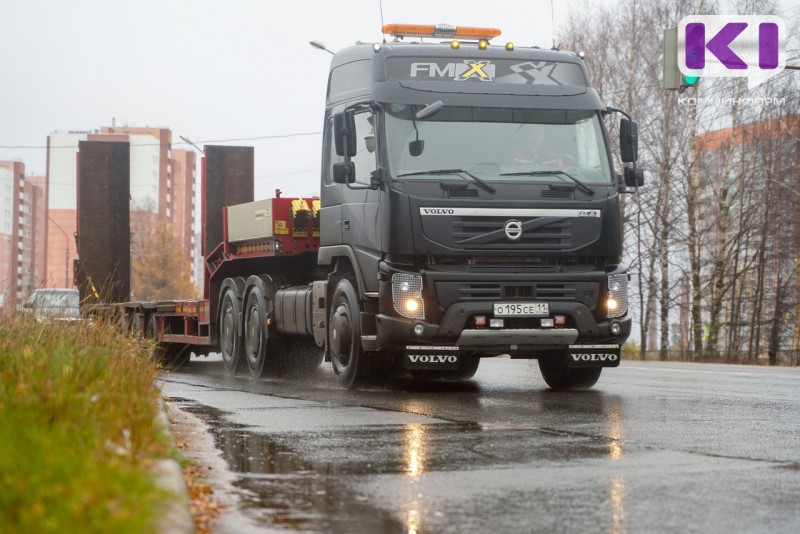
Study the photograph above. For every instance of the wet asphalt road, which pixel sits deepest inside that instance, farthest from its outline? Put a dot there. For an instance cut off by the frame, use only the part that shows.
(654, 447)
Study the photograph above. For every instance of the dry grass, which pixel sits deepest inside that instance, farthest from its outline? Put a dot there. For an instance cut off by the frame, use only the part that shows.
(77, 429)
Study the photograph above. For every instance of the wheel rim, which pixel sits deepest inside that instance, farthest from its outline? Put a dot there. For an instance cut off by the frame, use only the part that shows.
(341, 336)
(227, 334)
(253, 341)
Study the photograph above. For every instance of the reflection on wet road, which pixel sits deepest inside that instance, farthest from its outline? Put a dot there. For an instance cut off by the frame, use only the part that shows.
(654, 447)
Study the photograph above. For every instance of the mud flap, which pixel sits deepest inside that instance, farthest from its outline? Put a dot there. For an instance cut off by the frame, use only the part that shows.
(431, 357)
(593, 355)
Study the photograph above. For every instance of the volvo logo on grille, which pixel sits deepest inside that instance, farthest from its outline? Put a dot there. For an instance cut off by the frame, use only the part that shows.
(513, 230)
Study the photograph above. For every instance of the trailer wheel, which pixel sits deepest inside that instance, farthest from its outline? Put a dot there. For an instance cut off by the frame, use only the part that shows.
(256, 334)
(157, 350)
(344, 337)
(230, 337)
(558, 375)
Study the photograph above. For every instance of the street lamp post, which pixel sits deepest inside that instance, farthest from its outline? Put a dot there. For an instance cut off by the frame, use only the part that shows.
(321, 46)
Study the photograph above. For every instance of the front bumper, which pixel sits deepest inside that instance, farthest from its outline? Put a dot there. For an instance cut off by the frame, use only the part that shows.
(394, 333)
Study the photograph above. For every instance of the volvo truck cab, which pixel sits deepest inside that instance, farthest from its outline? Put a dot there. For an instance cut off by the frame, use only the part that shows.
(471, 208)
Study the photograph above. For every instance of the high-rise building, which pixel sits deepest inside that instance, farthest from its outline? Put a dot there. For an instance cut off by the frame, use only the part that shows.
(750, 177)
(61, 187)
(12, 186)
(184, 176)
(22, 234)
(34, 240)
(162, 185)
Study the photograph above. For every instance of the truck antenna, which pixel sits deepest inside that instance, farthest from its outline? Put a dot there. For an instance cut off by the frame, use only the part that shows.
(552, 24)
(380, 5)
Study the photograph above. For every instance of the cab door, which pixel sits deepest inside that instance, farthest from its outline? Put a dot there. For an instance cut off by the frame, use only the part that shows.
(330, 214)
(361, 222)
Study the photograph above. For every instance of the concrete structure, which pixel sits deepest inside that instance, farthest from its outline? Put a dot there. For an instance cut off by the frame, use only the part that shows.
(162, 186)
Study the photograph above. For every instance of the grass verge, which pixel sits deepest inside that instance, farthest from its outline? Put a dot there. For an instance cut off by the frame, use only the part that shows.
(77, 430)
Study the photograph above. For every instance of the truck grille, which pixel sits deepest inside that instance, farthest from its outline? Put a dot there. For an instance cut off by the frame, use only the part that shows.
(470, 231)
(449, 293)
(549, 291)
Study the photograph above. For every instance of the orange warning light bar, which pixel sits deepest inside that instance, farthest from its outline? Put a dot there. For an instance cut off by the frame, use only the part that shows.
(445, 31)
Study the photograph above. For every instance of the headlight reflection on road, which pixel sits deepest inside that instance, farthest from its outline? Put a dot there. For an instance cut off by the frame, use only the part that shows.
(617, 493)
(415, 466)
(415, 450)
(616, 432)
(412, 521)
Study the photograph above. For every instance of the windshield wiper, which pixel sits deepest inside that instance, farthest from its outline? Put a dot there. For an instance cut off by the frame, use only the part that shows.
(582, 186)
(436, 172)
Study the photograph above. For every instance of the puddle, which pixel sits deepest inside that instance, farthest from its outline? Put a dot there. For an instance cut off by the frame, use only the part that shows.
(311, 481)
(280, 490)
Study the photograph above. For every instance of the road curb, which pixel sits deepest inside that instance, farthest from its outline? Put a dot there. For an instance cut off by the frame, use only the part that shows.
(176, 516)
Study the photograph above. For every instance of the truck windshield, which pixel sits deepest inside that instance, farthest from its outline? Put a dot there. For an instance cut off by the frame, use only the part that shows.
(497, 144)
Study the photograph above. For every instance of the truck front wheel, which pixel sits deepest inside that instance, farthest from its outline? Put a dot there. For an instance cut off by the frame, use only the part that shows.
(344, 337)
(558, 375)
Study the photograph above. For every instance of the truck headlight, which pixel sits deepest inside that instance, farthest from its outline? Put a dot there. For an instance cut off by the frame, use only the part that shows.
(407, 295)
(617, 302)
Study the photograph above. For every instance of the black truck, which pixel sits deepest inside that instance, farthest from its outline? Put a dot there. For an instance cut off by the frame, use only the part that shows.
(471, 208)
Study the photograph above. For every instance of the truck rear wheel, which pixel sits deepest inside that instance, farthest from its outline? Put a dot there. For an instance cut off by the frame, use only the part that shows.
(558, 375)
(230, 337)
(256, 339)
(344, 337)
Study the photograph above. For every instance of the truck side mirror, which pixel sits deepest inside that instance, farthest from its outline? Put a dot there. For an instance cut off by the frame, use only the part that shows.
(344, 173)
(628, 140)
(633, 177)
(344, 134)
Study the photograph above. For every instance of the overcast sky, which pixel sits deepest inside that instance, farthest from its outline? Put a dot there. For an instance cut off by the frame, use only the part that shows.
(208, 70)
(211, 70)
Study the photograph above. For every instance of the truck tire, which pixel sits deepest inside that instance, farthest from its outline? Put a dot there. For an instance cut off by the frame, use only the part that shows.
(467, 370)
(260, 354)
(230, 337)
(558, 375)
(344, 337)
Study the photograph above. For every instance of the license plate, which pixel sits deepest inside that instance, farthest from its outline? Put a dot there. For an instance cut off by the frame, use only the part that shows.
(431, 357)
(521, 309)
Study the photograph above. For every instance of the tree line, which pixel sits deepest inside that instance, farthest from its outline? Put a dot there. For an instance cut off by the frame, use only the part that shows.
(713, 239)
